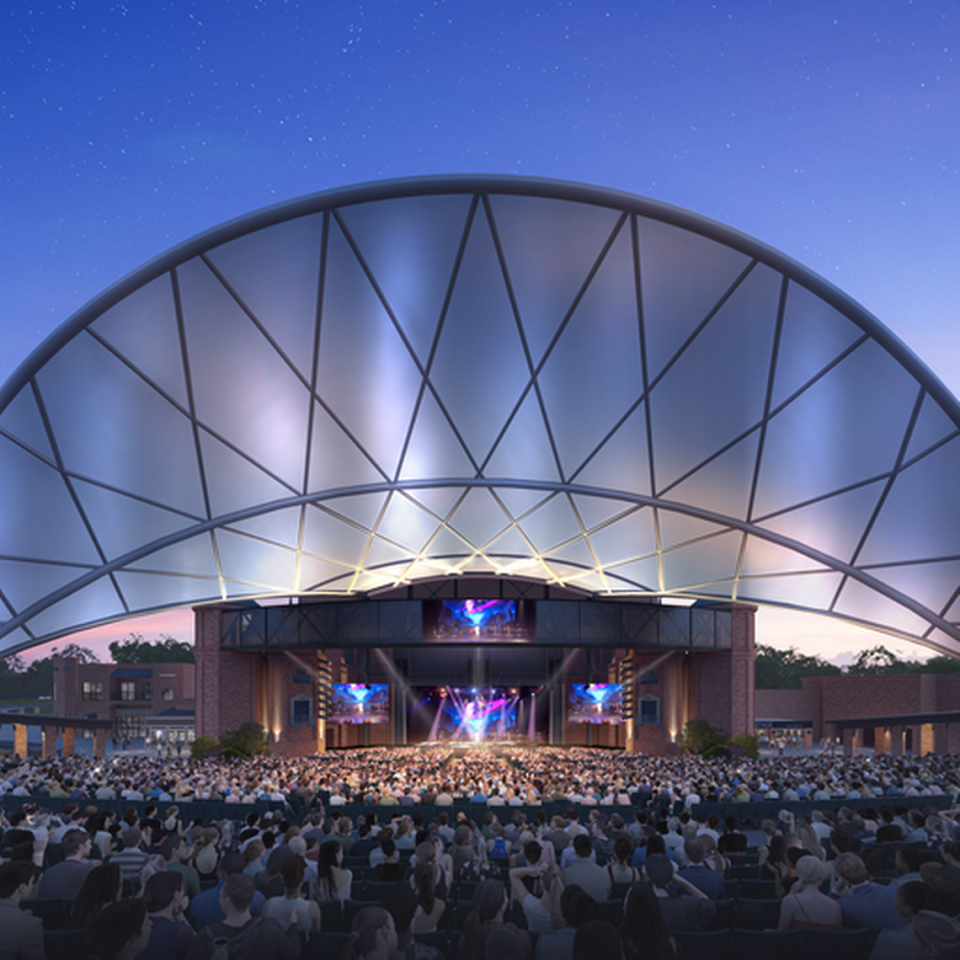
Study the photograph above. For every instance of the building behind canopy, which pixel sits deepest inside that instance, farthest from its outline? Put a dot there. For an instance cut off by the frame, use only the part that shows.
(476, 389)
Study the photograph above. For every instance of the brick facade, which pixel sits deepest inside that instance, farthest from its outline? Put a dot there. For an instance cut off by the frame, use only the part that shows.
(123, 693)
(823, 699)
(261, 686)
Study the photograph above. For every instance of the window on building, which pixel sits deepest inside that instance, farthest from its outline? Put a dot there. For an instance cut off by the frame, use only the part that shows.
(300, 710)
(168, 694)
(147, 689)
(128, 690)
(650, 710)
(92, 691)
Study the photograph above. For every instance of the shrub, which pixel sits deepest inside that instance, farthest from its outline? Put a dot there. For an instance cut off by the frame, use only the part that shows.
(745, 745)
(203, 748)
(249, 741)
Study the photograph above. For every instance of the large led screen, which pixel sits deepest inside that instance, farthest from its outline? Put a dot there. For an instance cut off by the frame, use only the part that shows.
(470, 621)
(360, 703)
(595, 703)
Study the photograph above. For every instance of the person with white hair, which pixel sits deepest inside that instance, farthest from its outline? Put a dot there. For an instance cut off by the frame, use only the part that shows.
(805, 907)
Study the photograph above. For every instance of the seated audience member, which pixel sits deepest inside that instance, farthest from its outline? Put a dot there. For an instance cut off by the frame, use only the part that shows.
(619, 869)
(732, 840)
(585, 873)
(684, 906)
(21, 933)
(643, 933)
(103, 886)
(862, 903)
(597, 938)
(503, 944)
(132, 858)
(702, 877)
(490, 902)
(64, 879)
(430, 908)
(332, 881)
(246, 937)
(280, 908)
(805, 907)
(373, 936)
(206, 908)
(935, 936)
(400, 902)
(391, 869)
(176, 851)
(542, 909)
(577, 908)
(120, 931)
(170, 934)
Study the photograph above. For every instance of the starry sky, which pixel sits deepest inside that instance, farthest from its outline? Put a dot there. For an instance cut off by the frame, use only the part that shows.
(828, 130)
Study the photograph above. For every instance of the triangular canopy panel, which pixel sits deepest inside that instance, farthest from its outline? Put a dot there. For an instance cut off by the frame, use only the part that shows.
(482, 375)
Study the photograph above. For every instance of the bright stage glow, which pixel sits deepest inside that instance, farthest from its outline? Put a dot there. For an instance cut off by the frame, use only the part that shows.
(473, 714)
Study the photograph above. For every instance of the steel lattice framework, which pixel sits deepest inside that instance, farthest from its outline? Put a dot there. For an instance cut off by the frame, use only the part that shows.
(477, 375)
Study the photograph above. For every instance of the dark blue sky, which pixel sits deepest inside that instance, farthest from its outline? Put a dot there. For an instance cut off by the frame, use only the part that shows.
(828, 130)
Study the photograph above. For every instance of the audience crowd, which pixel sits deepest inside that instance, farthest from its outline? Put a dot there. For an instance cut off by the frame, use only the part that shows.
(561, 853)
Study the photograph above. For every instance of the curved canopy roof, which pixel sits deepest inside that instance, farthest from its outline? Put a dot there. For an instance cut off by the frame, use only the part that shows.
(421, 378)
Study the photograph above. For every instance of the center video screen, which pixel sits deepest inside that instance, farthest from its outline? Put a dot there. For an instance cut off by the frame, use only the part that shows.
(360, 703)
(595, 703)
(470, 621)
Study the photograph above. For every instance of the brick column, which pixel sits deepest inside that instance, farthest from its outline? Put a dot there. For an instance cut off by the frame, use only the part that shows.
(69, 736)
(743, 653)
(926, 739)
(896, 741)
(207, 656)
(881, 740)
(49, 743)
(100, 744)
(20, 739)
(851, 740)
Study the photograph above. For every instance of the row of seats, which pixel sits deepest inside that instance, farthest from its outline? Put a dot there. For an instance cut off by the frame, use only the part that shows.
(730, 944)
(747, 814)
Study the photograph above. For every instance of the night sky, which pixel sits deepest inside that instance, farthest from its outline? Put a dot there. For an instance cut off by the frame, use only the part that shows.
(829, 131)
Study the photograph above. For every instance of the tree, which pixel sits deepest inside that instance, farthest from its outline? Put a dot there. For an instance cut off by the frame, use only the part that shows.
(135, 649)
(699, 736)
(249, 741)
(935, 665)
(785, 669)
(203, 747)
(877, 661)
(83, 654)
(745, 745)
